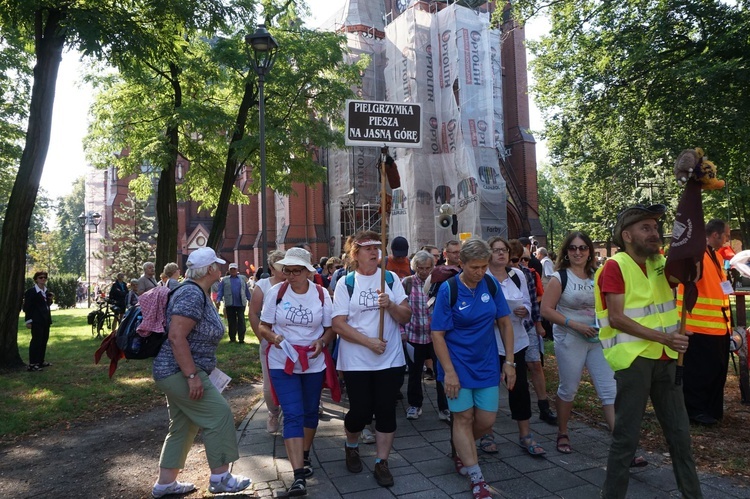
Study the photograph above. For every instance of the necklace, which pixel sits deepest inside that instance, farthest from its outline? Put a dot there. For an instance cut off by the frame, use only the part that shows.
(463, 303)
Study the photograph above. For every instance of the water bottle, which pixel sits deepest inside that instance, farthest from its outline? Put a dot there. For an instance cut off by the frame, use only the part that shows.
(136, 344)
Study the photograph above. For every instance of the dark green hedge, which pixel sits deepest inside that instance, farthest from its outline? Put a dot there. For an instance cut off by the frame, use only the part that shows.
(64, 286)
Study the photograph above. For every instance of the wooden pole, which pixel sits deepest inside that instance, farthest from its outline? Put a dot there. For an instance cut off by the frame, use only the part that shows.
(383, 230)
(681, 355)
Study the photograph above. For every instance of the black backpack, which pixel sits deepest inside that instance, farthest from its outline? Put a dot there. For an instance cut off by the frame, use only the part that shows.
(132, 344)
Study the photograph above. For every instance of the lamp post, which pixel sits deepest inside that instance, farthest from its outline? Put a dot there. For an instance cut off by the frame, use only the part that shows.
(90, 219)
(264, 53)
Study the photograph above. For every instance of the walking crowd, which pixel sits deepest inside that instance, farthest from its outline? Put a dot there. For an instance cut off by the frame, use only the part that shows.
(473, 315)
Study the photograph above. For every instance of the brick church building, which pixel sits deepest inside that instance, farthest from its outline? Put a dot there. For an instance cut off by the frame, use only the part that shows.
(316, 214)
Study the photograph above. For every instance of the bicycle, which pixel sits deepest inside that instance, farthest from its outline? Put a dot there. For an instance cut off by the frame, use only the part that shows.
(103, 318)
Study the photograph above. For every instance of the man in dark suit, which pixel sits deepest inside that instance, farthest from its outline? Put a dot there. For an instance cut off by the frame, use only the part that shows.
(36, 302)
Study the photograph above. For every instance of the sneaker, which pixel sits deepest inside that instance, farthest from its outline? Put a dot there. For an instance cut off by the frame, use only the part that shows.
(353, 462)
(428, 374)
(308, 468)
(272, 424)
(46, 364)
(229, 484)
(481, 490)
(34, 367)
(383, 474)
(321, 411)
(367, 436)
(444, 415)
(173, 489)
(413, 412)
(298, 488)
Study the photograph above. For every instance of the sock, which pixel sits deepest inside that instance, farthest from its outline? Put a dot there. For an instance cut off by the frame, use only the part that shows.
(299, 474)
(352, 446)
(163, 486)
(475, 473)
(306, 455)
(377, 460)
(219, 477)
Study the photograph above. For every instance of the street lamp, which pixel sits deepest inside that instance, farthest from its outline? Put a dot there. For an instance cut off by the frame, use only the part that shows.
(92, 220)
(264, 53)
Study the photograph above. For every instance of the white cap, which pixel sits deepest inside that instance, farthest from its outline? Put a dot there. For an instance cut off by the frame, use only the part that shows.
(203, 257)
(233, 266)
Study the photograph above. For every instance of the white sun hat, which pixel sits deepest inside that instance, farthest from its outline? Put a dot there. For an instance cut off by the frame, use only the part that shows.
(295, 257)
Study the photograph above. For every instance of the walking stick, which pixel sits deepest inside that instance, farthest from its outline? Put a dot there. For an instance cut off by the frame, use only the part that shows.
(383, 229)
(680, 355)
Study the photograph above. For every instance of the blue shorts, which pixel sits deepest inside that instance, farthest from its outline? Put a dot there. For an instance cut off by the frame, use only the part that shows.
(486, 399)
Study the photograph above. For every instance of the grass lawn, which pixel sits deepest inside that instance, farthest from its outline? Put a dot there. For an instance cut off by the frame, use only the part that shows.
(75, 389)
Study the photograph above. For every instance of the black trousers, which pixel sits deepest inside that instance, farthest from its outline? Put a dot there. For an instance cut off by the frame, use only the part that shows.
(414, 389)
(519, 398)
(706, 362)
(236, 321)
(38, 343)
(372, 392)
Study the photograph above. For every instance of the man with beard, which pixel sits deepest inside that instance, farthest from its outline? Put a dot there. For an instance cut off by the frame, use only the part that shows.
(639, 325)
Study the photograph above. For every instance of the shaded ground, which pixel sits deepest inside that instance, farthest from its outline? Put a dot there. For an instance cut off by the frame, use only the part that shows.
(115, 457)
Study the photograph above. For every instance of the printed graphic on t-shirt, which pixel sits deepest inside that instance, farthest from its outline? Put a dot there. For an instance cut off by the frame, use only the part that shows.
(298, 315)
(368, 299)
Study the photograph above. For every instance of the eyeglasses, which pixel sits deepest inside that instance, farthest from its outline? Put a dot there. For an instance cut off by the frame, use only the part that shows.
(514, 260)
(287, 271)
(524, 259)
(500, 251)
(582, 248)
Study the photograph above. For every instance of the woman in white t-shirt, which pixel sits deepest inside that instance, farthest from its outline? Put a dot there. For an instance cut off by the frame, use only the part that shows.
(373, 368)
(572, 313)
(296, 320)
(256, 305)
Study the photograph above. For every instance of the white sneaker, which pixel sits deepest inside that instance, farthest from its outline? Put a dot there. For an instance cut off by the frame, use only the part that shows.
(413, 412)
(229, 484)
(367, 436)
(174, 488)
(444, 415)
(272, 424)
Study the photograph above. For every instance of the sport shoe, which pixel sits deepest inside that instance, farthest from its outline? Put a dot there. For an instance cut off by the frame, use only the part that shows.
(444, 415)
(272, 424)
(308, 468)
(34, 367)
(428, 374)
(413, 412)
(298, 488)
(481, 490)
(383, 474)
(173, 489)
(229, 484)
(353, 462)
(367, 436)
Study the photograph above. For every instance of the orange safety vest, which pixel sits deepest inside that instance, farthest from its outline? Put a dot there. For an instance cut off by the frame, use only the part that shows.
(711, 312)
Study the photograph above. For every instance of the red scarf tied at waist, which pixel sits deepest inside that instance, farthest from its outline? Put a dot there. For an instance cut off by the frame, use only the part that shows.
(330, 381)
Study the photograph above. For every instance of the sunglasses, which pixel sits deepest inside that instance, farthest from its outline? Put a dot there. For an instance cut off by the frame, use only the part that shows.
(41, 277)
(514, 260)
(338, 267)
(287, 271)
(524, 259)
(582, 248)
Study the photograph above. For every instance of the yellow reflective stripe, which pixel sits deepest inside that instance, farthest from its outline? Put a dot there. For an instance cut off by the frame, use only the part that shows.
(706, 324)
(711, 301)
(705, 312)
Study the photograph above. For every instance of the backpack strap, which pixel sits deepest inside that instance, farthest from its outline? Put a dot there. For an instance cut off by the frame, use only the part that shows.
(513, 276)
(492, 286)
(285, 286)
(349, 281)
(563, 279)
(452, 290)
(407, 282)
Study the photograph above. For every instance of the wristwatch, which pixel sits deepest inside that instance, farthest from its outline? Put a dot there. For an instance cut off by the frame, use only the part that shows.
(191, 376)
(512, 364)
(323, 342)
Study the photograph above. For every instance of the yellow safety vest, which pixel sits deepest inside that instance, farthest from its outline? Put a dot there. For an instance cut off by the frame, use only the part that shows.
(711, 312)
(648, 301)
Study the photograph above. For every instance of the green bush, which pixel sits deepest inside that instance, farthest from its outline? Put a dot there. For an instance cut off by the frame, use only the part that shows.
(63, 285)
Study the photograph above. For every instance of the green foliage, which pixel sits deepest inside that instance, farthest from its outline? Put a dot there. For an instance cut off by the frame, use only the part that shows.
(625, 86)
(130, 240)
(76, 389)
(71, 258)
(64, 286)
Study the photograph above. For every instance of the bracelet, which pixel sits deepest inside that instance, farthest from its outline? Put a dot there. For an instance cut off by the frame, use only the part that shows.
(566, 321)
(322, 342)
(512, 364)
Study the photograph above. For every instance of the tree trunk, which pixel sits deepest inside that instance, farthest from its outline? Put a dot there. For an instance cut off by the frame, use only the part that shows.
(232, 167)
(49, 43)
(166, 197)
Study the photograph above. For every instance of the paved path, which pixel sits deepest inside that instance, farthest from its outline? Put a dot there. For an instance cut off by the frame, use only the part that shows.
(421, 468)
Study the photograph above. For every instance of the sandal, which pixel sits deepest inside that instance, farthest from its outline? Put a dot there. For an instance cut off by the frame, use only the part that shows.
(638, 462)
(563, 447)
(487, 443)
(460, 468)
(530, 445)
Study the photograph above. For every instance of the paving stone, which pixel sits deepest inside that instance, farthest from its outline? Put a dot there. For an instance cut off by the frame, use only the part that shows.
(496, 470)
(528, 463)
(425, 453)
(379, 493)
(431, 494)
(586, 491)
(574, 462)
(257, 474)
(451, 484)
(437, 467)
(358, 483)
(726, 485)
(411, 483)
(595, 476)
(521, 487)
(659, 478)
(413, 442)
(556, 479)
